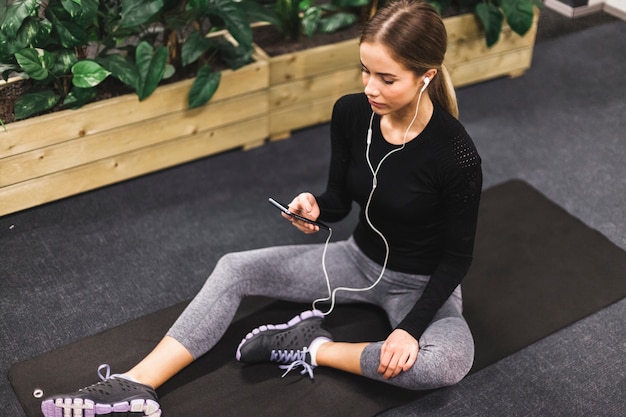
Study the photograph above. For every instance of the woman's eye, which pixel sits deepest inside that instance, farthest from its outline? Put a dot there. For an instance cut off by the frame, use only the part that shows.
(388, 82)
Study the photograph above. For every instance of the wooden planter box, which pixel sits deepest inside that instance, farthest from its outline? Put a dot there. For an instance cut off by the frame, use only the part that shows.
(304, 85)
(470, 61)
(54, 156)
(50, 157)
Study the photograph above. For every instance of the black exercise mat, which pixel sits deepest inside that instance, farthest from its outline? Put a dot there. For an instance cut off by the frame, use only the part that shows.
(536, 270)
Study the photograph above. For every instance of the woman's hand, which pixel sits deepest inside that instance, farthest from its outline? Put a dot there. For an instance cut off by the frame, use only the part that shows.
(398, 353)
(306, 206)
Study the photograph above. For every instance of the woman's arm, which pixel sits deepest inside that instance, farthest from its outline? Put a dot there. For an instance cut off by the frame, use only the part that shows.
(461, 189)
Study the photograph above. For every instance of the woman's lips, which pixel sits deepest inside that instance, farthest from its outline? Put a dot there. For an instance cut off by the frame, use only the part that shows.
(375, 104)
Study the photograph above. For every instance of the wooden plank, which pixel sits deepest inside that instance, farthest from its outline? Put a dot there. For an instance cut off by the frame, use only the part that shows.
(462, 26)
(11, 80)
(475, 48)
(314, 61)
(491, 67)
(122, 167)
(335, 84)
(296, 117)
(42, 131)
(124, 139)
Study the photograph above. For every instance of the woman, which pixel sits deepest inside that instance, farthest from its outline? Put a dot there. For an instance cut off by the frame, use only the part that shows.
(400, 153)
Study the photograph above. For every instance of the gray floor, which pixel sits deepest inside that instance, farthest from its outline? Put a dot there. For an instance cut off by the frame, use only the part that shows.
(560, 127)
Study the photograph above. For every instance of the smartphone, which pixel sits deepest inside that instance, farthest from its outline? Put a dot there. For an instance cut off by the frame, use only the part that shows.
(285, 210)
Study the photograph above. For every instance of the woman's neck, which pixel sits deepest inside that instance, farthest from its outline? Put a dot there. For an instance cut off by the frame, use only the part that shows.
(395, 126)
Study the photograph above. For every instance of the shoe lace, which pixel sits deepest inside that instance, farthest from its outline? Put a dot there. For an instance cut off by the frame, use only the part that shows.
(296, 358)
(307, 368)
(286, 356)
(104, 377)
(107, 375)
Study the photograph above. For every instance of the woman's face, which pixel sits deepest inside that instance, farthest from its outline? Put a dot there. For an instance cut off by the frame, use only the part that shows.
(389, 86)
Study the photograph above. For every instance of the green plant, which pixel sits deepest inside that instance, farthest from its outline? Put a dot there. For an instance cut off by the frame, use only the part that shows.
(69, 47)
(294, 18)
(492, 14)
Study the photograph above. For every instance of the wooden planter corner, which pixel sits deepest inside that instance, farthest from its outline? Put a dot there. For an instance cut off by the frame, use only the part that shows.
(304, 85)
(54, 156)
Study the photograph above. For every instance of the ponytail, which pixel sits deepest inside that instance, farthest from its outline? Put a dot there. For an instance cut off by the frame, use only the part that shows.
(441, 90)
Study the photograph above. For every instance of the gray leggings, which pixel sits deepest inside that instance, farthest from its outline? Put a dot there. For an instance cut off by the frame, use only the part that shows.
(294, 273)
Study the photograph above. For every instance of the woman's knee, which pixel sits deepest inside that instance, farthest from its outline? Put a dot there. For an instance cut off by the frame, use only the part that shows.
(452, 369)
(234, 265)
(445, 356)
(435, 367)
(227, 276)
(447, 350)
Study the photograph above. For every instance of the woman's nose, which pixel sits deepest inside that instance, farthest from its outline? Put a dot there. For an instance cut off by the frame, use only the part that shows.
(370, 88)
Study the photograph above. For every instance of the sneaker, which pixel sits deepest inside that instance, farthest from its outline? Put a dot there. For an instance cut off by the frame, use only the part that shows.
(286, 344)
(114, 395)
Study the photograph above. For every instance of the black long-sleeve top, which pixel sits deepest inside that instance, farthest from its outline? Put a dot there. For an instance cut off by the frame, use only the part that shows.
(425, 203)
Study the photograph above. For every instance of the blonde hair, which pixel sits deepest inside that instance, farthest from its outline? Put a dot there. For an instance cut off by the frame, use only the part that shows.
(415, 36)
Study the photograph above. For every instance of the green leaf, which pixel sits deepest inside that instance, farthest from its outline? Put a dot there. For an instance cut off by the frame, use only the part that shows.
(6, 47)
(34, 63)
(234, 56)
(170, 70)
(70, 33)
(138, 12)
(491, 18)
(203, 87)
(88, 73)
(31, 103)
(150, 66)
(27, 34)
(74, 8)
(195, 45)
(120, 68)
(235, 20)
(519, 15)
(63, 62)
(78, 97)
(44, 32)
(202, 5)
(311, 20)
(3, 12)
(16, 13)
(82, 11)
(350, 3)
(336, 21)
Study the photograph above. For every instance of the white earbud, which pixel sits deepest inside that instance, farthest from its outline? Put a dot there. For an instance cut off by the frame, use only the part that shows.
(426, 82)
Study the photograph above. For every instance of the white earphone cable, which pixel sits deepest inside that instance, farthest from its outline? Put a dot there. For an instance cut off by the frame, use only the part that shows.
(333, 292)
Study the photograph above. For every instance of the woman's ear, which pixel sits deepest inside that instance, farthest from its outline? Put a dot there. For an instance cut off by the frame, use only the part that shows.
(431, 73)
